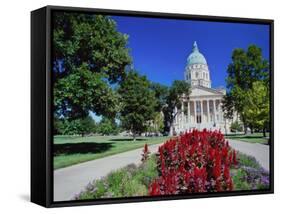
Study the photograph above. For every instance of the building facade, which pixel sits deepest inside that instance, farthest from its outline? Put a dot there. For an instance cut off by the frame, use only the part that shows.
(203, 107)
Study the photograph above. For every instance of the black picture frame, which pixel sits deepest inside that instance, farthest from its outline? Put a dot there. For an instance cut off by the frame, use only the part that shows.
(41, 105)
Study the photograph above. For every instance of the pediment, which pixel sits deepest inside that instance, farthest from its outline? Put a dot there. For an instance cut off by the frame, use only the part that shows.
(202, 91)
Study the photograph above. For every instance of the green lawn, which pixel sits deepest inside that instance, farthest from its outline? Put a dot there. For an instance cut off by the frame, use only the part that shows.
(70, 150)
(251, 138)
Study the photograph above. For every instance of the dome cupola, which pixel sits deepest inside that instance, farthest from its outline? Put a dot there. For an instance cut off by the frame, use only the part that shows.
(196, 57)
(197, 71)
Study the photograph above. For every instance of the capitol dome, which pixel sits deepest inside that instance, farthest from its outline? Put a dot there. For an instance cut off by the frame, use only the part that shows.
(196, 57)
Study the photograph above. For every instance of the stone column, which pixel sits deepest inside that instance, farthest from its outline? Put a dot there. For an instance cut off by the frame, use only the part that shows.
(176, 117)
(195, 113)
(188, 112)
(219, 109)
(208, 111)
(182, 115)
(201, 110)
(215, 112)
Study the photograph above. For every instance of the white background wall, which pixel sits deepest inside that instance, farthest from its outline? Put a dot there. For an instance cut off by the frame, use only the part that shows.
(15, 105)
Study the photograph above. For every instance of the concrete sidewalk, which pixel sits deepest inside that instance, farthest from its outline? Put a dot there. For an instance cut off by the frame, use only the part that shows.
(257, 150)
(73, 179)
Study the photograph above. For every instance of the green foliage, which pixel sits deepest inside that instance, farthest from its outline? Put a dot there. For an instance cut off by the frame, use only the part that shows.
(248, 161)
(161, 93)
(249, 175)
(137, 103)
(179, 89)
(247, 68)
(126, 182)
(89, 55)
(74, 127)
(236, 127)
(58, 126)
(239, 180)
(157, 123)
(228, 106)
(257, 108)
(107, 126)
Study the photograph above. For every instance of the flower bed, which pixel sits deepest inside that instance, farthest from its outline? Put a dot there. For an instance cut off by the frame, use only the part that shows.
(197, 161)
(194, 162)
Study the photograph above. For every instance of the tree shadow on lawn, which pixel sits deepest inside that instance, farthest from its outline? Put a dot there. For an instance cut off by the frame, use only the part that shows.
(127, 139)
(81, 148)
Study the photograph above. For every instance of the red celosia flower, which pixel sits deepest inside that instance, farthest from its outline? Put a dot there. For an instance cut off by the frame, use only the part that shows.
(196, 161)
(154, 188)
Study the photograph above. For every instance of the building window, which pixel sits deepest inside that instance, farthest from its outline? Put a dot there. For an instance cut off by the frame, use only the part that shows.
(196, 74)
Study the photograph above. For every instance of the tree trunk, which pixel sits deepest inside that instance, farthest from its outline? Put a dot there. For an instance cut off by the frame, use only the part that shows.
(134, 137)
(264, 132)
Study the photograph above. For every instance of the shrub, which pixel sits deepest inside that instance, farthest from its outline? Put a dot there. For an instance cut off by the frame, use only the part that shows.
(197, 161)
(236, 127)
(129, 181)
(245, 160)
(250, 174)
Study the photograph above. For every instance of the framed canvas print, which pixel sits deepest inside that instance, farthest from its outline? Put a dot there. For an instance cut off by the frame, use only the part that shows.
(140, 106)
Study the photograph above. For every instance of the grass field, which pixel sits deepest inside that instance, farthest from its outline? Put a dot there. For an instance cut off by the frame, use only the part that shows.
(251, 138)
(70, 150)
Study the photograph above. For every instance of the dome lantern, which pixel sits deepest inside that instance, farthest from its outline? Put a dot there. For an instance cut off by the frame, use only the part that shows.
(196, 57)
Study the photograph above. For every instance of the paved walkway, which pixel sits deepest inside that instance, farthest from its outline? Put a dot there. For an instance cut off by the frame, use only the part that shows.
(259, 151)
(71, 180)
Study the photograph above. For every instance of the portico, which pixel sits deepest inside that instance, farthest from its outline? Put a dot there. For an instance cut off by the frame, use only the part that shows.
(203, 109)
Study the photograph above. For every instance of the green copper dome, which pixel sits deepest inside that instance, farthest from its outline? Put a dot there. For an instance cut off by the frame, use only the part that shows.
(196, 57)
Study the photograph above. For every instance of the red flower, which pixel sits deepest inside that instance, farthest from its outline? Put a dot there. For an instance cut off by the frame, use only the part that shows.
(154, 188)
(196, 161)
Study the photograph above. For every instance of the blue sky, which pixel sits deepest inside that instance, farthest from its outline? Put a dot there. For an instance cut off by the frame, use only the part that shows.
(160, 47)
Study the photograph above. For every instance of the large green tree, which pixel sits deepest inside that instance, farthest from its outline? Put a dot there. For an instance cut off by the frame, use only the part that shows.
(257, 108)
(246, 68)
(89, 56)
(161, 94)
(138, 103)
(107, 126)
(80, 126)
(179, 91)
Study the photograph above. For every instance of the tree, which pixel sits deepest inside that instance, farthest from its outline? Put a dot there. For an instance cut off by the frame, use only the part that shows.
(179, 90)
(161, 93)
(79, 126)
(246, 68)
(257, 108)
(228, 106)
(137, 103)
(88, 125)
(156, 125)
(107, 126)
(236, 127)
(89, 55)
